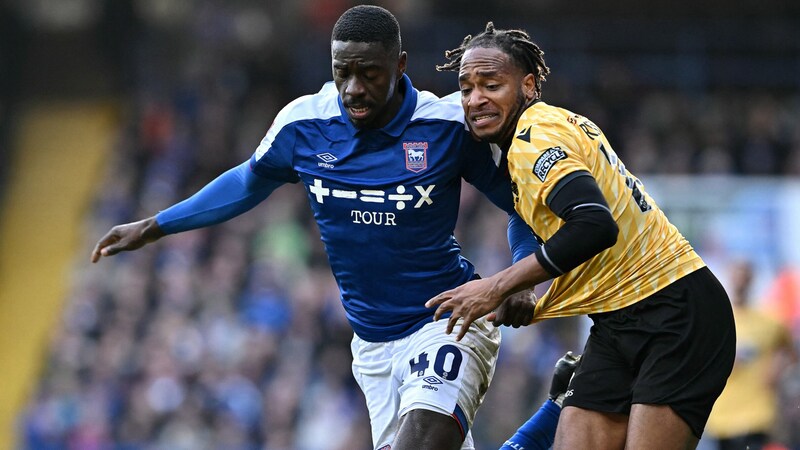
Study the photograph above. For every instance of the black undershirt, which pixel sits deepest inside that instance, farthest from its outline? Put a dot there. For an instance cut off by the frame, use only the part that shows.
(589, 227)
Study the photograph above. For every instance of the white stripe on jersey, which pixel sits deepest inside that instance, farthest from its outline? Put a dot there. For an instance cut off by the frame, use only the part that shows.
(322, 105)
(429, 106)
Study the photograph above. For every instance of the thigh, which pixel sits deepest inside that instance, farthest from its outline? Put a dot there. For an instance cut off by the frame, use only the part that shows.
(422, 429)
(690, 350)
(658, 426)
(580, 428)
(447, 377)
(372, 369)
(602, 382)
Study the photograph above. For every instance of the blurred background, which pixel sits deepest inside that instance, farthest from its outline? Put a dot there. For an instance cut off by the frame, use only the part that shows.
(233, 337)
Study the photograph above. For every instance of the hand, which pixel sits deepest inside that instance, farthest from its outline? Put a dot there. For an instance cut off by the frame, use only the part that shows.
(562, 375)
(516, 310)
(129, 236)
(469, 302)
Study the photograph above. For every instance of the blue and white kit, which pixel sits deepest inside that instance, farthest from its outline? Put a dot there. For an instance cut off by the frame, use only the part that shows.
(386, 202)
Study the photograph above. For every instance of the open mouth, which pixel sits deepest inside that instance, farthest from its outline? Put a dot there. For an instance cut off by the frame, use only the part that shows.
(358, 112)
(482, 119)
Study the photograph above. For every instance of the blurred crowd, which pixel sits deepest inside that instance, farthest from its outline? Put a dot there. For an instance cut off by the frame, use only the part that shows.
(233, 337)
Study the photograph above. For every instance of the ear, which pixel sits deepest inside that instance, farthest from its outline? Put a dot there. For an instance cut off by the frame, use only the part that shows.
(529, 86)
(402, 63)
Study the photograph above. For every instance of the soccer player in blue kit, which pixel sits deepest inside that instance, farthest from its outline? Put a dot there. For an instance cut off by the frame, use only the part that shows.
(382, 165)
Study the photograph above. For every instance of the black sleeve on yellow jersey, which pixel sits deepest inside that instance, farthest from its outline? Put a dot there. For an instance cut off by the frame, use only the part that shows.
(589, 227)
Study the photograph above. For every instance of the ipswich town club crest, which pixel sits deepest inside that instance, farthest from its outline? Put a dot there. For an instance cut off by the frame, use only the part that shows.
(416, 156)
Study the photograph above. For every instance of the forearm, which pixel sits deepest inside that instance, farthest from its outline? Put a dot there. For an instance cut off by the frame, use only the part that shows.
(521, 240)
(524, 274)
(234, 192)
(538, 432)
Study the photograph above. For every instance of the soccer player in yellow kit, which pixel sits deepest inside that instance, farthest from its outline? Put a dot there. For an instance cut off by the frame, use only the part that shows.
(662, 342)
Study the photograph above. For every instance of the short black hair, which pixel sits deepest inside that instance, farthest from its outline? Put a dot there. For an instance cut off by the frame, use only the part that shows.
(368, 23)
(517, 44)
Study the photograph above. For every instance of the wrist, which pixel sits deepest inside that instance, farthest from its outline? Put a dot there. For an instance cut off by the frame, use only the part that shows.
(518, 277)
(151, 231)
(559, 400)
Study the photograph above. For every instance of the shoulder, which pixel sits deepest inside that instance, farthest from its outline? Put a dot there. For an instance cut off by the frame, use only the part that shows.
(544, 116)
(543, 125)
(322, 105)
(431, 107)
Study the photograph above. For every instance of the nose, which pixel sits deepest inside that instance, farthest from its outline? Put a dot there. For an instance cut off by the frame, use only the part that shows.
(476, 98)
(354, 87)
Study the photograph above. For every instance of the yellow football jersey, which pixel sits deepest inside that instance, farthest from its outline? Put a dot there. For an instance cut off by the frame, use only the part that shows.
(749, 403)
(650, 252)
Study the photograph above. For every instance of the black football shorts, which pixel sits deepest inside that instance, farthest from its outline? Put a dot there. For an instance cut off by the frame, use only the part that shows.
(673, 348)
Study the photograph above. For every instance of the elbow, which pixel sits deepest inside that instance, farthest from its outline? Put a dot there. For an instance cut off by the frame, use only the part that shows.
(608, 233)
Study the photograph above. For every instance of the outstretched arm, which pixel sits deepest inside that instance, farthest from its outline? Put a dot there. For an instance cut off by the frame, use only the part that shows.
(229, 195)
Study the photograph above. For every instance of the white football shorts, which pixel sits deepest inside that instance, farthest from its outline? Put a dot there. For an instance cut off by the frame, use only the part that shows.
(426, 370)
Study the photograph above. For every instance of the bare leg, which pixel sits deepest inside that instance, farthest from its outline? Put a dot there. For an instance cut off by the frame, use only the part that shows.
(421, 429)
(658, 427)
(581, 428)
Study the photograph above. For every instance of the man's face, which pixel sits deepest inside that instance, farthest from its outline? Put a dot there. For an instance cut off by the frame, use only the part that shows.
(494, 93)
(366, 75)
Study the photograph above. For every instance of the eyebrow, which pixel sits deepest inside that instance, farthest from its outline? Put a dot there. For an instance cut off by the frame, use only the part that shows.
(487, 73)
(362, 64)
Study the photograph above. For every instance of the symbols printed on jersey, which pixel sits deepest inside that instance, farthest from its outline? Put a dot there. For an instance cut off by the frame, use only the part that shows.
(401, 195)
(327, 159)
(525, 135)
(546, 161)
(569, 393)
(386, 447)
(426, 195)
(416, 156)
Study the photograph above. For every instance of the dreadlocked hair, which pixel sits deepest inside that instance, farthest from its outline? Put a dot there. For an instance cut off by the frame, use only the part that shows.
(517, 44)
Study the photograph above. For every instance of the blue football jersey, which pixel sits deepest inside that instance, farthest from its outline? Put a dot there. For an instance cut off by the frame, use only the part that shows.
(386, 200)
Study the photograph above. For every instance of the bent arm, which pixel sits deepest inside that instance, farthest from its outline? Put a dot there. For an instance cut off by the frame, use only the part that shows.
(589, 228)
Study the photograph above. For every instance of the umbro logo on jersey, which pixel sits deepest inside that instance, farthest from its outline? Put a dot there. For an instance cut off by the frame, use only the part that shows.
(327, 159)
(432, 380)
(547, 160)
